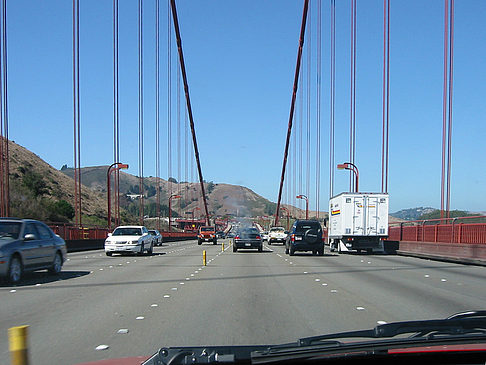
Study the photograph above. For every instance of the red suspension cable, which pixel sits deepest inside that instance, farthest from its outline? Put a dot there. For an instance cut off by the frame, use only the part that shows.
(292, 105)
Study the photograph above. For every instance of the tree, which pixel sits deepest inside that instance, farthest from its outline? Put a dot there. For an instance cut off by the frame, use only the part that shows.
(64, 167)
(34, 182)
(172, 180)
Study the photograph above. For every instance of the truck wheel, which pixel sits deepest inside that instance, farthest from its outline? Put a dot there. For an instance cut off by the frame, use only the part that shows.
(260, 249)
(269, 242)
(286, 250)
(291, 251)
(320, 252)
(215, 241)
(108, 254)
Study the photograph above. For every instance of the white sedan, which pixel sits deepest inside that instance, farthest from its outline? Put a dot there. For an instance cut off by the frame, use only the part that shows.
(129, 239)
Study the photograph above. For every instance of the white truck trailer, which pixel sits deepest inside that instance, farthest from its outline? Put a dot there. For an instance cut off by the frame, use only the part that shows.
(358, 221)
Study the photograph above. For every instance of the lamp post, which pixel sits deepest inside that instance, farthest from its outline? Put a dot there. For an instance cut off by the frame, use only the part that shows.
(288, 217)
(352, 167)
(302, 196)
(173, 196)
(119, 166)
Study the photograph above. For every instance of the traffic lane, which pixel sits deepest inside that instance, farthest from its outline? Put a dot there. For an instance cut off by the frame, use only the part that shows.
(404, 290)
(87, 305)
(254, 298)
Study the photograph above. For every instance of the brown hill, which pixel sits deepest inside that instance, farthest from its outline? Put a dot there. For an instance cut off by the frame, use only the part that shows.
(34, 183)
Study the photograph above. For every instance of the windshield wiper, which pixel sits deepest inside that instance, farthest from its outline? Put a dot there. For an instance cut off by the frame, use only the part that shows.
(458, 324)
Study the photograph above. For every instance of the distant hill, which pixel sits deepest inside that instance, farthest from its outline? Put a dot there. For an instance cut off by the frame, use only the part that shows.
(39, 191)
(223, 199)
(412, 214)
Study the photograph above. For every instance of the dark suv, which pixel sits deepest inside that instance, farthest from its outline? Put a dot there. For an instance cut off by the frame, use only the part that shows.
(305, 235)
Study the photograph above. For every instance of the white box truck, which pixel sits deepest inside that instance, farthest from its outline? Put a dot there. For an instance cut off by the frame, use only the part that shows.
(358, 221)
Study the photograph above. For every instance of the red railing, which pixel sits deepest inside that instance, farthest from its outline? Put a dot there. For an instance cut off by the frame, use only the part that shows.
(69, 232)
(445, 230)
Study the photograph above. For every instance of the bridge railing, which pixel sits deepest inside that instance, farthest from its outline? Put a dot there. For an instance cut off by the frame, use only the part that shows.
(70, 232)
(444, 230)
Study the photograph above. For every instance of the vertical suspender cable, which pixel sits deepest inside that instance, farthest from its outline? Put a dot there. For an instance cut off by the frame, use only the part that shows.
(76, 115)
(449, 127)
(4, 148)
(386, 96)
(140, 108)
(292, 105)
(157, 111)
(299, 148)
(444, 107)
(116, 114)
(352, 127)
(308, 103)
(318, 106)
(178, 145)
(332, 96)
(188, 102)
(169, 99)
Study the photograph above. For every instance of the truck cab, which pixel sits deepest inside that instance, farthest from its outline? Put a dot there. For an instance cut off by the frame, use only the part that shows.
(207, 234)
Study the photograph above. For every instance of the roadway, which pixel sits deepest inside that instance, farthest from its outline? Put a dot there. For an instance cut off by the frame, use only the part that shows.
(170, 299)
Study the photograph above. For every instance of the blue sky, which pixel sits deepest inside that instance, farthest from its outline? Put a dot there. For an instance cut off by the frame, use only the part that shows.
(240, 58)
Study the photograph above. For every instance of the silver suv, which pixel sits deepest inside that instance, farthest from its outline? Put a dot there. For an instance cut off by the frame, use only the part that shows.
(29, 245)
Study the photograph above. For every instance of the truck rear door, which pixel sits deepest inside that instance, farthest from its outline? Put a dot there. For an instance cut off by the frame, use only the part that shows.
(372, 215)
(358, 216)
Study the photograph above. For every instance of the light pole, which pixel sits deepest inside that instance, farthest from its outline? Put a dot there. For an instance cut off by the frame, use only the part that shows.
(119, 166)
(173, 196)
(288, 218)
(352, 167)
(302, 196)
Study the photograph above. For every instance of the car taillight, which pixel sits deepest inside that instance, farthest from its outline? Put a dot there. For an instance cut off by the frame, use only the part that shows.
(292, 238)
(258, 238)
(237, 237)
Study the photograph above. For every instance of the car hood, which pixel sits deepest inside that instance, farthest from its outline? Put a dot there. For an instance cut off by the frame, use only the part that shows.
(122, 238)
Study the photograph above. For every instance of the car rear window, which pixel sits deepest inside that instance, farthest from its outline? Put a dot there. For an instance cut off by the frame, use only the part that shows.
(207, 229)
(302, 227)
(277, 230)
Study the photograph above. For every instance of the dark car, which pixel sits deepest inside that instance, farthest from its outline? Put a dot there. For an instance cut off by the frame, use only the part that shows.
(220, 234)
(305, 235)
(248, 238)
(29, 245)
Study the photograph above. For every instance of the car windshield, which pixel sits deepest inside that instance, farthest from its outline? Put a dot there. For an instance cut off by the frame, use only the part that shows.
(207, 229)
(153, 233)
(9, 230)
(127, 231)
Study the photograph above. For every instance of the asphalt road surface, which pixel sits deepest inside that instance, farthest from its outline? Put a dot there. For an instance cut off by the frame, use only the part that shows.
(134, 305)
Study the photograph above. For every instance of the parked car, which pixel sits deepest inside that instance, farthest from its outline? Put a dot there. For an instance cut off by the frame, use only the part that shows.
(156, 236)
(305, 235)
(248, 238)
(129, 239)
(207, 234)
(277, 234)
(29, 245)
